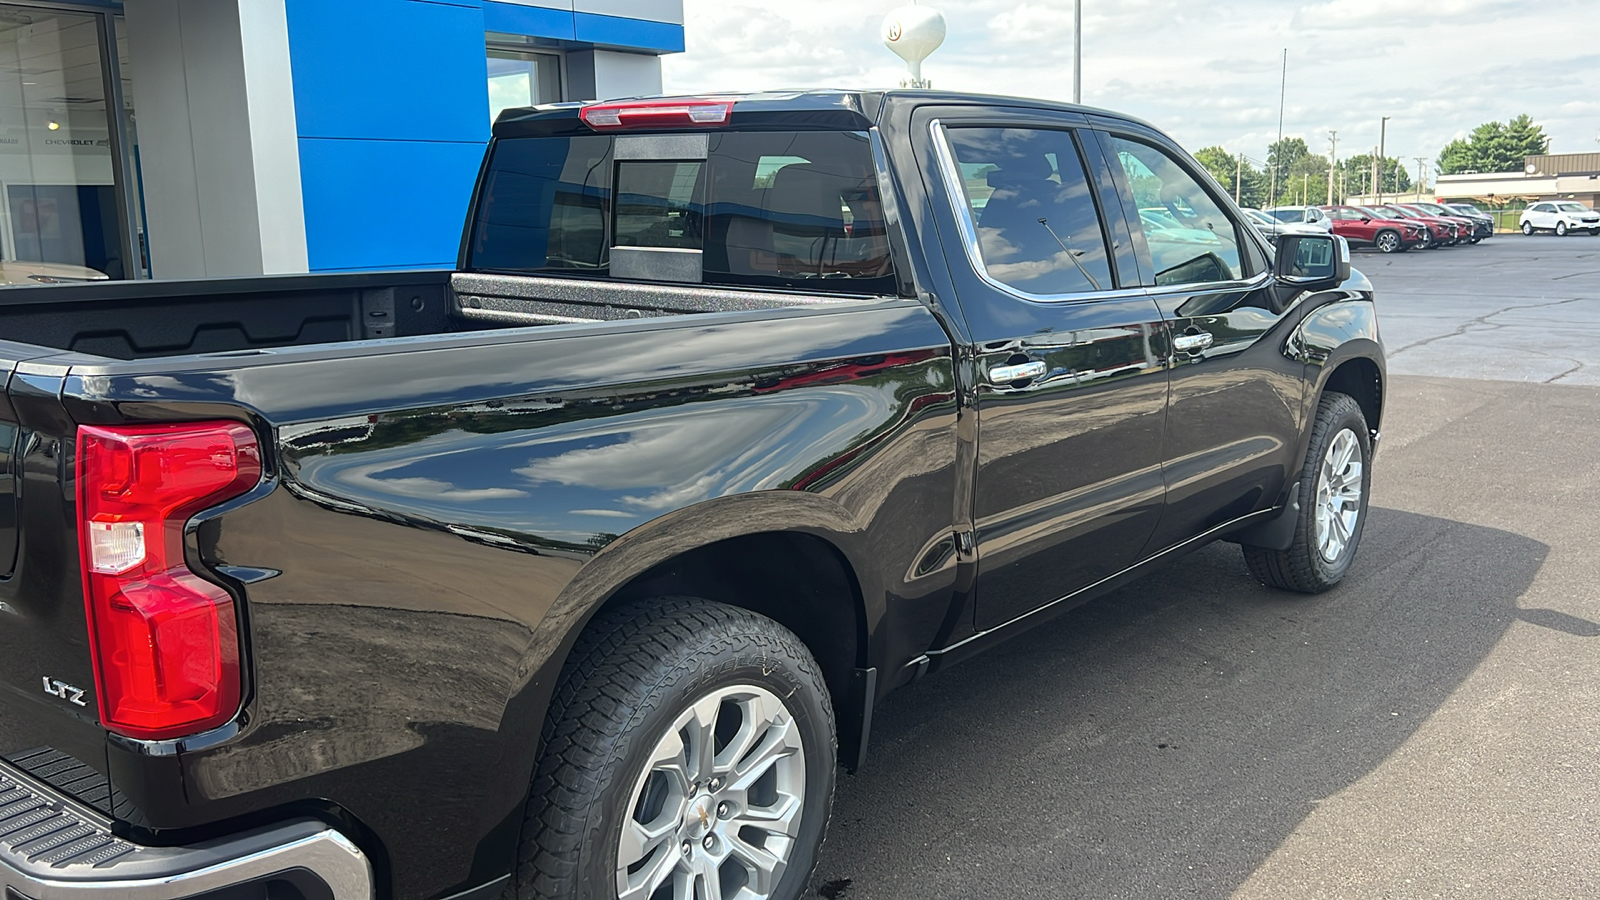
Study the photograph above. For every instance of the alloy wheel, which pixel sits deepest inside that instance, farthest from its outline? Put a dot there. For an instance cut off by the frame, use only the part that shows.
(716, 813)
(1338, 495)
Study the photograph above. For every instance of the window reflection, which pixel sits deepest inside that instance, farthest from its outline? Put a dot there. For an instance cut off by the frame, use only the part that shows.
(519, 78)
(1191, 240)
(59, 217)
(1037, 226)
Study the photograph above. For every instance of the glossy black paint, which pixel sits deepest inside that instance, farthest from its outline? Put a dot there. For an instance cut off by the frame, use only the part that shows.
(442, 513)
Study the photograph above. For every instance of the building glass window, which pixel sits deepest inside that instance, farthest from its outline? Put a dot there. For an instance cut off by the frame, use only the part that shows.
(62, 215)
(520, 78)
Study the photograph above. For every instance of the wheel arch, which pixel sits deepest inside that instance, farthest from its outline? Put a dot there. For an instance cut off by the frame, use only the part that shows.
(787, 555)
(1362, 379)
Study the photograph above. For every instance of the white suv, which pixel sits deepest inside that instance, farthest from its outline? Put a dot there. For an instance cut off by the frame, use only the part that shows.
(1560, 216)
(1302, 215)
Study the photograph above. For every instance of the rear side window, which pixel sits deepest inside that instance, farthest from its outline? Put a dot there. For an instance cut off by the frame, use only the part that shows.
(1191, 240)
(1036, 224)
(789, 210)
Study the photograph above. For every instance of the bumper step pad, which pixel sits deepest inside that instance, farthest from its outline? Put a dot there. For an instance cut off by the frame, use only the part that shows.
(54, 848)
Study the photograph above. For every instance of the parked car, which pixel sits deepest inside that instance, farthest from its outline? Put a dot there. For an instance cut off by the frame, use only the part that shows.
(1466, 229)
(1443, 232)
(1304, 215)
(1365, 227)
(578, 571)
(1482, 225)
(1485, 223)
(1560, 216)
(1270, 228)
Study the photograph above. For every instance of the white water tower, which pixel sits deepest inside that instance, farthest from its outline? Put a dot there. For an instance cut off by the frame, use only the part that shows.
(913, 32)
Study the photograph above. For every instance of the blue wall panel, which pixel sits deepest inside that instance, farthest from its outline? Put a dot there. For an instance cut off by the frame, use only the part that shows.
(635, 34)
(533, 21)
(392, 69)
(382, 204)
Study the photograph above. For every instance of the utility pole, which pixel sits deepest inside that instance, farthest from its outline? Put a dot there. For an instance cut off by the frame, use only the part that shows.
(1383, 164)
(1077, 51)
(1238, 179)
(1305, 188)
(1422, 165)
(1333, 158)
(1272, 195)
(1372, 179)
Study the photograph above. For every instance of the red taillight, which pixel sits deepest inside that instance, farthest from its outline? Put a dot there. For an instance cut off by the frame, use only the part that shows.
(656, 114)
(165, 641)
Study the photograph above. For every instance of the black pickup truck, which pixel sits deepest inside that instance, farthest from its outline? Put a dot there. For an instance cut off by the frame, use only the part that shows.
(577, 572)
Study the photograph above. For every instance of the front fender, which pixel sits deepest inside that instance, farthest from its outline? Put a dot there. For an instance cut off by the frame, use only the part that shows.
(1332, 335)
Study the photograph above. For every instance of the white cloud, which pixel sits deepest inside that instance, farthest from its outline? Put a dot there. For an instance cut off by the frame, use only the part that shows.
(1207, 73)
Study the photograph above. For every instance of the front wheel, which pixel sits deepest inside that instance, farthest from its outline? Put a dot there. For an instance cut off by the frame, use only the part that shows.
(1561, 229)
(1334, 483)
(1527, 228)
(689, 754)
(1388, 242)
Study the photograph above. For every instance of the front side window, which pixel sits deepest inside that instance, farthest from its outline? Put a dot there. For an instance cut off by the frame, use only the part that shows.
(1030, 205)
(787, 210)
(1192, 240)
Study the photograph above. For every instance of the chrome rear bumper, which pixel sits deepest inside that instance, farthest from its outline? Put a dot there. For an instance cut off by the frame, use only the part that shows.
(52, 848)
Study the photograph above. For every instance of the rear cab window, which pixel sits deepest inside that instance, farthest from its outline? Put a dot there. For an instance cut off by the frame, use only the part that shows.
(786, 210)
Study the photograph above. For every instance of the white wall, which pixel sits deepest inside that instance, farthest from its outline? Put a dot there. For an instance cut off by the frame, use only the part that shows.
(607, 75)
(217, 142)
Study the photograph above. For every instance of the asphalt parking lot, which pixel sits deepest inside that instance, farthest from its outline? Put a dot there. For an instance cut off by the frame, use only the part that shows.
(1428, 729)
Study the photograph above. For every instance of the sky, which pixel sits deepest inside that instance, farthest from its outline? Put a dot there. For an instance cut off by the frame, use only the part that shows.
(1206, 72)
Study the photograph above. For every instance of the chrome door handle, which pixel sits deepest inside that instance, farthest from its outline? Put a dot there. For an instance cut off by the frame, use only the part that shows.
(1192, 343)
(1019, 372)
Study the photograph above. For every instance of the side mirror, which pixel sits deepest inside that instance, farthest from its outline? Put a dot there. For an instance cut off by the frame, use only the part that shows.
(1366, 219)
(1312, 262)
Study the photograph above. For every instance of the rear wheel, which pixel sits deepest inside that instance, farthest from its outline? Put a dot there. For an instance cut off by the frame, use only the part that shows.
(1561, 229)
(1334, 483)
(1527, 228)
(689, 754)
(1388, 242)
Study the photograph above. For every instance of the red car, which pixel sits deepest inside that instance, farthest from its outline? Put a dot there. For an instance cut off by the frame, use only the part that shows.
(1466, 229)
(1442, 231)
(1361, 226)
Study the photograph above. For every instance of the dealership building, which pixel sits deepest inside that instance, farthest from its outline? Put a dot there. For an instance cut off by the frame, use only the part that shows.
(1560, 176)
(192, 138)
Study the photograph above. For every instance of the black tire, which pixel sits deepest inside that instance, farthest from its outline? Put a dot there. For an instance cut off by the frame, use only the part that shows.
(1527, 228)
(1303, 567)
(1388, 241)
(633, 672)
(1594, 232)
(1561, 229)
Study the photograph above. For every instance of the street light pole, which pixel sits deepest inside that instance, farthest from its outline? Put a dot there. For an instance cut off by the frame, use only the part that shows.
(1383, 133)
(1333, 159)
(1077, 51)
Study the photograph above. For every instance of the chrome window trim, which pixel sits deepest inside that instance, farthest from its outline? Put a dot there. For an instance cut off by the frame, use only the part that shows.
(956, 192)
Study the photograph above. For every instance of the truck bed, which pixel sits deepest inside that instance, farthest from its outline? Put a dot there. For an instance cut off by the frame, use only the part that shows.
(152, 319)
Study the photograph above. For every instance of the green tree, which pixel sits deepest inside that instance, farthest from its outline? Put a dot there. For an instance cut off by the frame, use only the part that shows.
(1225, 167)
(1358, 175)
(1281, 157)
(1307, 182)
(1495, 147)
(1456, 157)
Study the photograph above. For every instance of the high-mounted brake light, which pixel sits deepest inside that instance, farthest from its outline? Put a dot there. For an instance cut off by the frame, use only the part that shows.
(165, 642)
(656, 113)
